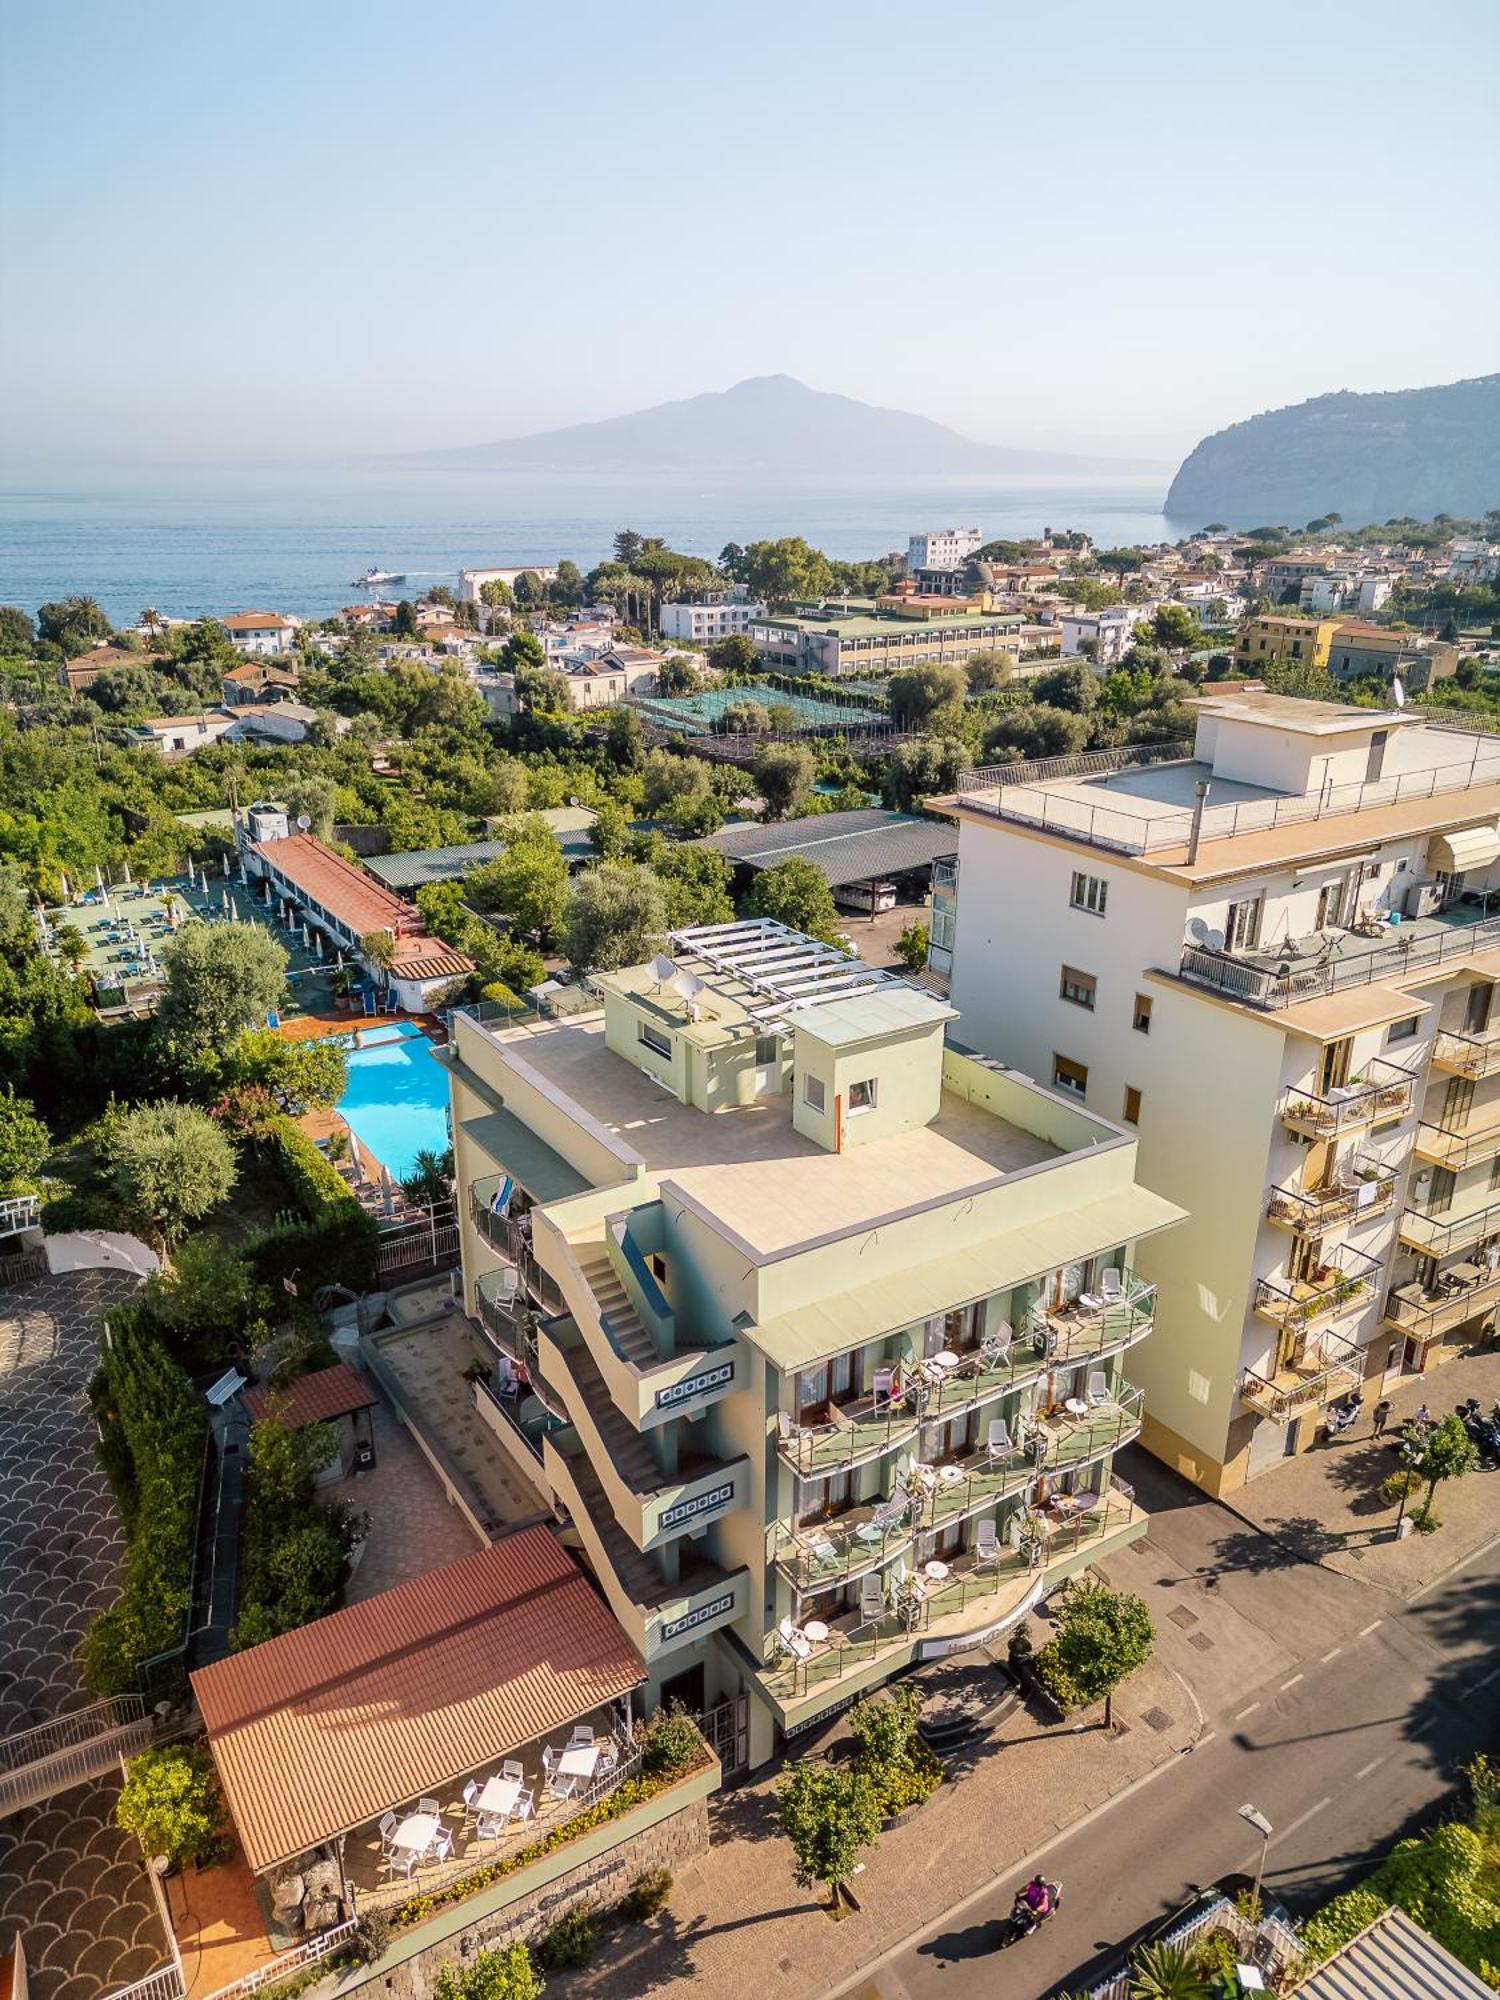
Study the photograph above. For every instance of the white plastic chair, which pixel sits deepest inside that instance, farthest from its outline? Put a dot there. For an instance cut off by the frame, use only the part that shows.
(1098, 1387)
(471, 1793)
(880, 1389)
(797, 1643)
(513, 1769)
(996, 1343)
(388, 1825)
(583, 1735)
(871, 1598)
(998, 1443)
(987, 1542)
(441, 1846)
(1112, 1285)
(428, 1806)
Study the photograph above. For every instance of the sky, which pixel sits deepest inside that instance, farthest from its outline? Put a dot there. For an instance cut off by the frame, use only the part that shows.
(237, 231)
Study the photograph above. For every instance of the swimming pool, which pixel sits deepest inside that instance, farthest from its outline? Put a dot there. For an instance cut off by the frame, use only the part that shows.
(396, 1099)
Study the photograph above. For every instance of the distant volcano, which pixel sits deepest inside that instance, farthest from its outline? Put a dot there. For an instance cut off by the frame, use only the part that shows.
(769, 425)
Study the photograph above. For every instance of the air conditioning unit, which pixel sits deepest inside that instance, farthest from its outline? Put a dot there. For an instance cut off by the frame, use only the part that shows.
(1423, 898)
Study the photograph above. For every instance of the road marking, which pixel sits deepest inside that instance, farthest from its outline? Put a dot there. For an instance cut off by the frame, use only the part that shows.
(1247, 1711)
(1373, 1626)
(1301, 1821)
(1365, 1769)
(1332, 1654)
(1292, 1682)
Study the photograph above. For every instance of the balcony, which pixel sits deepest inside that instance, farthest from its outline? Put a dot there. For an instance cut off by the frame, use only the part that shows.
(1452, 1229)
(831, 1553)
(1345, 1281)
(1457, 1147)
(1473, 1056)
(500, 1232)
(977, 1599)
(1378, 1098)
(1061, 1441)
(1328, 1367)
(853, 1433)
(501, 1308)
(1461, 1293)
(1369, 1190)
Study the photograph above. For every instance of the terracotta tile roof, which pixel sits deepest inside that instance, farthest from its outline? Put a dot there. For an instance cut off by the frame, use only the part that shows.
(312, 1399)
(363, 904)
(272, 669)
(323, 1729)
(428, 958)
(255, 621)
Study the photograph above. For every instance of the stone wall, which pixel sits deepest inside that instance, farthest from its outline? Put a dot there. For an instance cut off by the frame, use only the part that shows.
(670, 1844)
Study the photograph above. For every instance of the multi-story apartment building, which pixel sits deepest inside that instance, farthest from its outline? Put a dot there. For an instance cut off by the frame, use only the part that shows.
(1276, 962)
(942, 548)
(809, 1321)
(705, 624)
(1277, 640)
(1106, 636)
(906, 633)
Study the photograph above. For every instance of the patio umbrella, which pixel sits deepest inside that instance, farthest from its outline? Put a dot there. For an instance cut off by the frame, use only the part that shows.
(356, 1159)
(318, 945)
(226, 867)
(340, 961)
(191, 875)
(67, 893)
(305, 939)
(127, 874)
(387, 1191)
(98, 876)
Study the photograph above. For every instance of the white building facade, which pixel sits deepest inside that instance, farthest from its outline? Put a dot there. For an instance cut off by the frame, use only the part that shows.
(942, 548)
(706, 624)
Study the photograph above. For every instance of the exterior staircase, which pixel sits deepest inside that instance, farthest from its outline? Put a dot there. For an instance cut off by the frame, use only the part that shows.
(614, 1303)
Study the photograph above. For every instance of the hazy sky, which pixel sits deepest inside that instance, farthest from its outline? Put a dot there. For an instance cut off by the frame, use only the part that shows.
(246, 227)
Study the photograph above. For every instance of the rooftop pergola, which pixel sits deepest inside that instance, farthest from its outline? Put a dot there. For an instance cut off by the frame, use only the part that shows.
(781, 968)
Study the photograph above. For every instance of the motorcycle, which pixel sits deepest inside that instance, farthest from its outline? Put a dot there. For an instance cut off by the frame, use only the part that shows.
(1023, 1919)
(1341, 1417)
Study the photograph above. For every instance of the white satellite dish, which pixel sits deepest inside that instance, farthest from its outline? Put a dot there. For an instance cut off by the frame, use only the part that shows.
(662, 969)
(1198, 930)
(1398, 693)
(1215, 940)
(303, 822)
(687, 985)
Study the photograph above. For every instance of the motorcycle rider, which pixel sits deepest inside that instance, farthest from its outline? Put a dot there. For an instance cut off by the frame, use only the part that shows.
(1035, 1900)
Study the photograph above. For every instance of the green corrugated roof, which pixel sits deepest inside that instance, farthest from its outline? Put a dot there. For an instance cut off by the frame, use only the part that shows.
(545, 1174)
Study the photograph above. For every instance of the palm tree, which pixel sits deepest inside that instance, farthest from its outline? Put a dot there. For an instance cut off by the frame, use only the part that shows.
(427, 1183)
(151, 619)
(1167, 1972)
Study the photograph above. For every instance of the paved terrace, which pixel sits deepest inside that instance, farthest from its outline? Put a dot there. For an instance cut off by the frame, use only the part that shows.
(751, 1168)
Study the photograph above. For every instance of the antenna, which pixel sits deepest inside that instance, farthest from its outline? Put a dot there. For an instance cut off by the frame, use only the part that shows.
(662, 969)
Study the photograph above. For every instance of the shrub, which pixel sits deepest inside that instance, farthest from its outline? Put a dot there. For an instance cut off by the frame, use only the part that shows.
(570, 1941)
(672, 1744)
(296, 1549)
(372, 1936)
(503, 1974)
(1344, 1918)
(897, 1764)
(1166, 1972)
(1399, 1486)
(645, 1896)
(170, 1802)
(328, 1233)
(151, 1449)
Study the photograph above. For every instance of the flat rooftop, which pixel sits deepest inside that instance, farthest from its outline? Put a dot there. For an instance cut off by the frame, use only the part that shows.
(750, 1168)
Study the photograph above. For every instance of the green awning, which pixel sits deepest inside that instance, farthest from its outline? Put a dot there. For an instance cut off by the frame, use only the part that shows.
(514, 1147)
(832, 1326)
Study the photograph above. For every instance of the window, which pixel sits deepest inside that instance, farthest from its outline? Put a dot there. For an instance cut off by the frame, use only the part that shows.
(1403, 1031)
(1495, 1172)
(1069, 1076)
(862, 1096)
(812, 1093)
(1090, 892)
(1078, 988)
(767, 1049)
(1140, 1020)
(1132, 1111)
(660, 1044)
(1242, 930)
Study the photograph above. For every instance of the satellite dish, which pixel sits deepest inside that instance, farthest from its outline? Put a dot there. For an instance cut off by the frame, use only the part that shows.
(688, 985)
(303, 822)
(1215, 940)
(1198, 930)
(1398, 693)
(662, 969)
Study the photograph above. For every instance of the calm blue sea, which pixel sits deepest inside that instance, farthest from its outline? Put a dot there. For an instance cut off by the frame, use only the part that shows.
(294, 540)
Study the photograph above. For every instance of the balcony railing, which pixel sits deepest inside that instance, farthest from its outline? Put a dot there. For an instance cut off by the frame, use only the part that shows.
(1443, 1234)
(1376, 1099)
(1473, 1056)
(860, 1430)
(502, 1308)
(1460, 1294)
(1343, 1282)
(1332, 1366)
(501, 1232)
(1457, 1147)
(1291, 980)
(981, 1588)
(1313, 1211)
(834, 1552)
(1052, 1444)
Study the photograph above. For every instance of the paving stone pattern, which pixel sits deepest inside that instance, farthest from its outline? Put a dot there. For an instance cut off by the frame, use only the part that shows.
(61, 1550)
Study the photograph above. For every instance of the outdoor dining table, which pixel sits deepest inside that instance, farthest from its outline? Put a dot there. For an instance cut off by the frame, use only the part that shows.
(577, 1765)
(1076, 1406)
(498, 1799)
(815, 1630)
(416, 1833)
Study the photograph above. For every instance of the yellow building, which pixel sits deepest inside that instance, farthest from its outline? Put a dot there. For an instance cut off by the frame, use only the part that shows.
(807, 1321)
(1278, 640)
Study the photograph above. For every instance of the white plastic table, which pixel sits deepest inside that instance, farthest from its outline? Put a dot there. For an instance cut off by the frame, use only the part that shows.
(498, 1799)
(580, 1762)
(1076, 1406)
(416, 1833)
(815, 1630)
(950, 1475)
(946, 1358)
(936, 1572)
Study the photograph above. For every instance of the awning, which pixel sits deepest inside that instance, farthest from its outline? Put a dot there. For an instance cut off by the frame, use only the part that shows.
(545, 1174)
(830, 1326)
(1470, 847)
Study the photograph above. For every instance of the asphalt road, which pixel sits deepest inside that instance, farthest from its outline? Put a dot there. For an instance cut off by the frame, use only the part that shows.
(1343, 1751)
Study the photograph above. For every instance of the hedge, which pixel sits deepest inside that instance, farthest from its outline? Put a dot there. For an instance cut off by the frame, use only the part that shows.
(327, 1234)
(153, 1435)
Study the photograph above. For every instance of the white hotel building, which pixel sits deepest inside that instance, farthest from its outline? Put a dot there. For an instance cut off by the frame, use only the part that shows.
(1275, 960)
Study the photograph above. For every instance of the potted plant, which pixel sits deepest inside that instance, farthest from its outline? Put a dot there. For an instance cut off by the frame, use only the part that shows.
(341, 984)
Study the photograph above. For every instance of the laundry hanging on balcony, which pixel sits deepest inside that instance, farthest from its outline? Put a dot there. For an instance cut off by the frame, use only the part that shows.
(501, 1201)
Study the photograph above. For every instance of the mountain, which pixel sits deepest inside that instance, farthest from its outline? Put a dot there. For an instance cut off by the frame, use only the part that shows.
(768, 425)
(1370, 458)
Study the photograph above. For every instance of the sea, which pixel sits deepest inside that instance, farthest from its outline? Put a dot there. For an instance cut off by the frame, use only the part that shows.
(200, 542)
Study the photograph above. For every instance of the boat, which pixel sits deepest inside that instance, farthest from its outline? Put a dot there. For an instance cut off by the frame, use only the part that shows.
(374, 578)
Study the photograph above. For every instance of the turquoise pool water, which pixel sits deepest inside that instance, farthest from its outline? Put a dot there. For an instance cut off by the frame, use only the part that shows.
(396, 1100)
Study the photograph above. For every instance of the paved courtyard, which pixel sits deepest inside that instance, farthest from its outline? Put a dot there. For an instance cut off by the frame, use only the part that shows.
(61, 1549)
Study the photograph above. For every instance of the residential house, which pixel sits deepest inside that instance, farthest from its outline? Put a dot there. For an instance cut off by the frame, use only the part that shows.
(260, 631)
(261, 680)
(812, 1322)
(1283, 639)
(1104, 637)
(280, 721)
(80, 673)
(1275, 961)
(179, 735)
(1358, 649)
(471, 582)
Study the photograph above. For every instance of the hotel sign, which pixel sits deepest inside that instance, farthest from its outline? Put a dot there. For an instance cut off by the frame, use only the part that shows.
(696, 1506)
(719, 1377)
(703, 1615)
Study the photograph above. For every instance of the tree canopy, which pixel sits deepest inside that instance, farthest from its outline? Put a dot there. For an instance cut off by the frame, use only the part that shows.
(220, 979)
(617, 914)
(794, 892)
(168, 1163)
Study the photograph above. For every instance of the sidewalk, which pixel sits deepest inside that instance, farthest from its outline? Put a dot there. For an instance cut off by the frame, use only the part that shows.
(1326, 1503)
(738, 1923)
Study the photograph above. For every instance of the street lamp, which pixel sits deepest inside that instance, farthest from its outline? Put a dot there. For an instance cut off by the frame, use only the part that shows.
(1263, 1827)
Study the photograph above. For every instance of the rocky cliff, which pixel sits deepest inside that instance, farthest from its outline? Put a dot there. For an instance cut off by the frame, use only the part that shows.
(1369, 458)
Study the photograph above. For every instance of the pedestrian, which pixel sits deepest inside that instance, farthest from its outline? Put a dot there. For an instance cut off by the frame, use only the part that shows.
(1382, 1416)
(1423, 1418)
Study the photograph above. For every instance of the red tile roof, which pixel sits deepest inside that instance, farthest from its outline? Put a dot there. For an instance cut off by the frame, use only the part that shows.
(321, 1730)
(363, 905)
(312, 1399)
